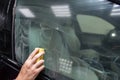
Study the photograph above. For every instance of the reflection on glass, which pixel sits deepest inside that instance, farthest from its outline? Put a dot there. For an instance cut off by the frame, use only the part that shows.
(115, 10)
(113, 34)
(61, 10)
(26, 12)
(101, 0)
(116, 5)
(65, 65)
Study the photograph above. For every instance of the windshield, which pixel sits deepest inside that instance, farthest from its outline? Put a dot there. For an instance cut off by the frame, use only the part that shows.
(81, 37)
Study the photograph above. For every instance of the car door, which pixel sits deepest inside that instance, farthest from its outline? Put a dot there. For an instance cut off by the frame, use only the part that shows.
(81, 38)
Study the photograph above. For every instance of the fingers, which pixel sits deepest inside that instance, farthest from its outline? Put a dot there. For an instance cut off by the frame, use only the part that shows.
(38, 64)
(33, 53)
(31, 68)
(36, 57)
(40, 68)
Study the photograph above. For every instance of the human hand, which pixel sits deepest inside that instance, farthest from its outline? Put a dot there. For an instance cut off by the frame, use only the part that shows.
(31, 68)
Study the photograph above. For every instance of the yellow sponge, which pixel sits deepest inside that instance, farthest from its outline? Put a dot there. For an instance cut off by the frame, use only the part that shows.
(41, 57)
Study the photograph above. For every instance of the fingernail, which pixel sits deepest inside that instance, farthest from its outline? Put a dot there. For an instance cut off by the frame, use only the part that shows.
(36, 48)
(43, 66)
(42, 61)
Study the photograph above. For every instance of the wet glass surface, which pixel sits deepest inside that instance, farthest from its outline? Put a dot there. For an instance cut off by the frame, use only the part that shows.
(81, 37)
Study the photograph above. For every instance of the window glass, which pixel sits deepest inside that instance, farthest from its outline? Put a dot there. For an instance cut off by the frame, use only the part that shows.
(81, 37)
